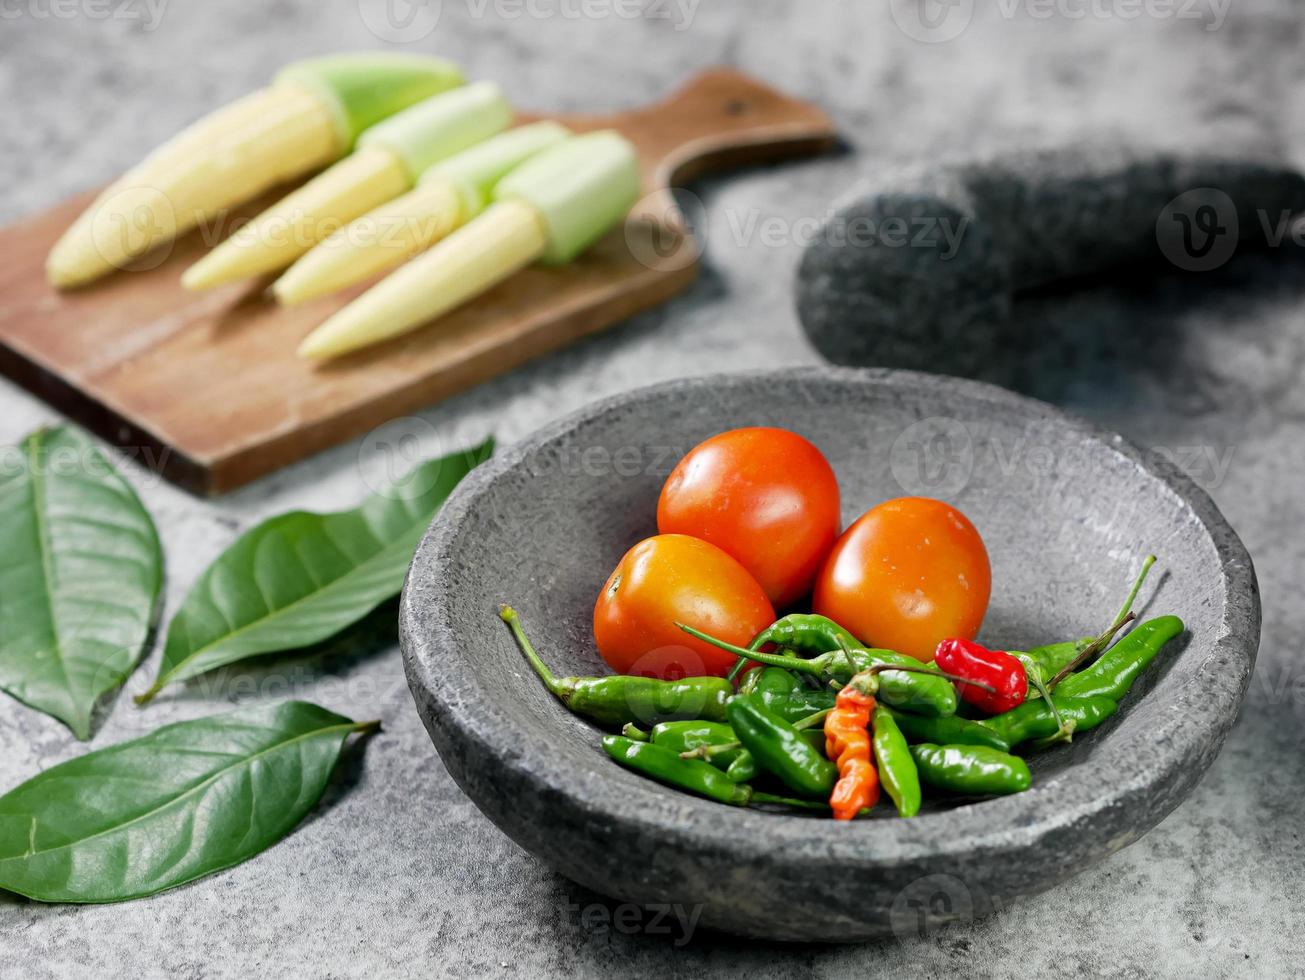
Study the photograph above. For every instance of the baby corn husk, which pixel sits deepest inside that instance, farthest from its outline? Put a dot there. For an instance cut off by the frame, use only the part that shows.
(581, 188)
(506, 238)
(389, 157)
(364, 89)
(448, 195)
(571, 195)
(478, 170)
(437, 129)
(303, 121)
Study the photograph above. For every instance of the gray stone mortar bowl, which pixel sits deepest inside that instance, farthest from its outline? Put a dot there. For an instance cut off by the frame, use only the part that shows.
(1067, 512)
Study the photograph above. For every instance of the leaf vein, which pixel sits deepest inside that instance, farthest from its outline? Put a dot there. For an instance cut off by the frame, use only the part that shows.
(203, 785)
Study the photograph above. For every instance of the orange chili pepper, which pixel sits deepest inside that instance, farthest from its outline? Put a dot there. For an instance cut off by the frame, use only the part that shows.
(847, 742)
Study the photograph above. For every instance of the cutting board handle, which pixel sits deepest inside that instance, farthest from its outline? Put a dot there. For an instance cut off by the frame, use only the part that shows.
(721, 118)
(124, 355)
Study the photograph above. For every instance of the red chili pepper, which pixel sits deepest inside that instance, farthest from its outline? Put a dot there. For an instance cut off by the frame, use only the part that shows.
(847, 742)
(975, 662)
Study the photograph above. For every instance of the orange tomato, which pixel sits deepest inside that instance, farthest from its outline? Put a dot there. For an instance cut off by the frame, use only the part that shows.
(767, 497)
(674, 578)
(907, 575)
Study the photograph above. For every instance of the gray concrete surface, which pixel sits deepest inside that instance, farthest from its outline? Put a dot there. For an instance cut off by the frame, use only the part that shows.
(398, 874)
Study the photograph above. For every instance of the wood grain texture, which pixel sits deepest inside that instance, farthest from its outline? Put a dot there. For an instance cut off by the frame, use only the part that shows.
(206, 388)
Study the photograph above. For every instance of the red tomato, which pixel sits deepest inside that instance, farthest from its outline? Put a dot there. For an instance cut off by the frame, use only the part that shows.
(672, 578)
(907, 575)
(765, 496)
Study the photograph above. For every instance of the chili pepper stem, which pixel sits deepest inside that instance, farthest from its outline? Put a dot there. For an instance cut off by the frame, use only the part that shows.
(769, 659)
(1048, 742)
(743, 661)
(1122, 619)
(632, 731)
(932, 672)
(706, 752)
(1127, 607)
(812, 720)
(1090, 651)
(880, 668)
(860, 681)
(555, 686)
(810, 667)
(847, 654)
(1065, 730)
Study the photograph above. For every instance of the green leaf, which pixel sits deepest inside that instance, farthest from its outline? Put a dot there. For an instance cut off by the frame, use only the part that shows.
(80, 571)
(182, 802)
(299, 578)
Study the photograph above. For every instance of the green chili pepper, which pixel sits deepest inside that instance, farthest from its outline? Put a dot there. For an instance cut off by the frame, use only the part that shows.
(685, 736)
(806, 632)
(742, 768)
(1033, 670)
(1116, 670)
(681, 736)
(781, 749)
(897, 771)
(912, 691)
(1036, 719)
(617, 699)
(663, 765)
(811, 727)
(971, 769)
(784, 694)
(1052, 658)
(1037, 683)
(1055, 661)
(768, 679)
(919, 692)
(690, 775)
(947, 731)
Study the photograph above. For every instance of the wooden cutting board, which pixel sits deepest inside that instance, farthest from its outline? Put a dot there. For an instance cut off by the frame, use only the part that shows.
(206, 388)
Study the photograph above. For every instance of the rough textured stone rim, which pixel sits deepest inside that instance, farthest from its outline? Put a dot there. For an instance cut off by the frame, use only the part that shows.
(459, 707)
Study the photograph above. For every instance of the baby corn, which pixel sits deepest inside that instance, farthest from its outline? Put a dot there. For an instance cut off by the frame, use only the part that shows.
(389, 158)
(551, 208)
(448, 195)
(306, 119)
